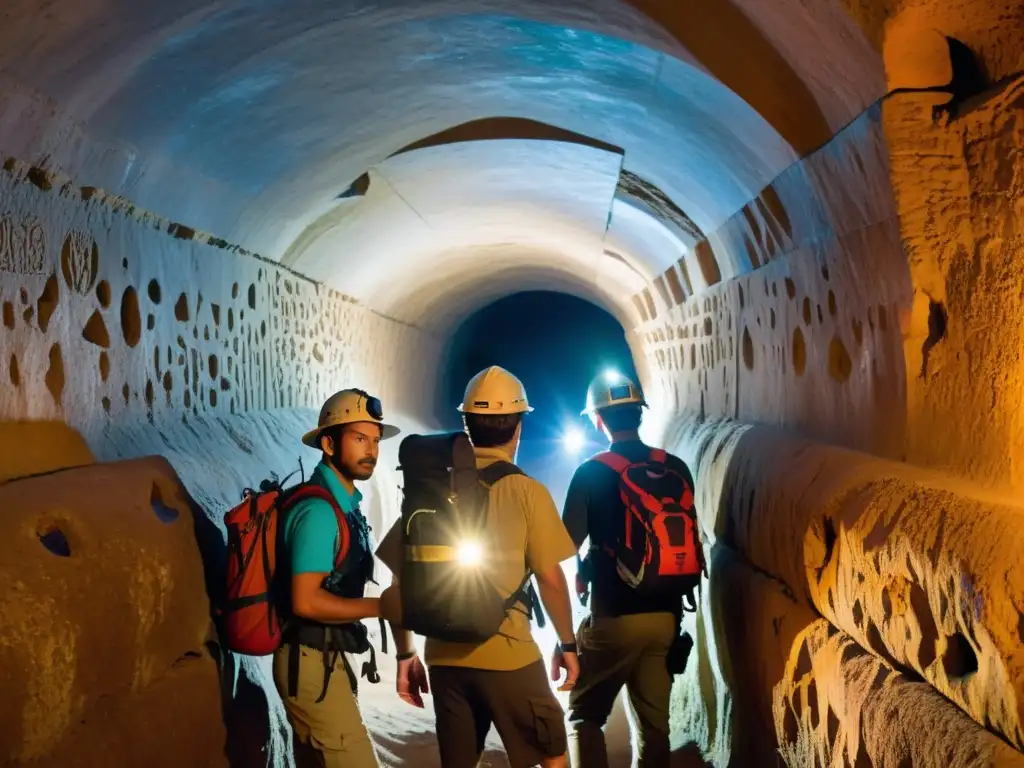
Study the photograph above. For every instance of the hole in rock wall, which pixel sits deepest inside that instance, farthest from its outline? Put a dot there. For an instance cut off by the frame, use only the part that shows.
(748, 350)
(829, 539)
(54, 540)
(47, 303)
(959, 660)
(55, 374)
(164, 512)
(154, 291)
(936, 332)
(103, 293)
(95, 331)
(921, 610)
(799, 352)
(131, 320)
(840, 367)
(14, 372)
(181, 309)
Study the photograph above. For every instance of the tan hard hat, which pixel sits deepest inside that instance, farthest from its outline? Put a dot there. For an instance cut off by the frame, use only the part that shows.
(495, 391)
(610, 389)
(349, 406)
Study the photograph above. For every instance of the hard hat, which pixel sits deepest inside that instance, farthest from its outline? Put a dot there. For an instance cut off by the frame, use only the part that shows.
(495, 391)
(349, 406)
(610, 389)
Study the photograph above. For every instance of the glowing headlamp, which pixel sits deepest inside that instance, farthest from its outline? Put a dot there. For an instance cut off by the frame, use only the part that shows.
(573, 440)
(469, 553)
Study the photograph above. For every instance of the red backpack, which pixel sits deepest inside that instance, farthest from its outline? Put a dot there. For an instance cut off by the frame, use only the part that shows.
(658, 548)
(250, 619)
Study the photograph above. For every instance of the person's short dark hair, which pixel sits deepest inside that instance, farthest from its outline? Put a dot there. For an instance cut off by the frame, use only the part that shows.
(621, 418)
(489, 430)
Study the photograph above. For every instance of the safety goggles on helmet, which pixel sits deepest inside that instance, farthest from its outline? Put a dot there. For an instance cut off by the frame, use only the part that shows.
(371, 405)
(350, 406)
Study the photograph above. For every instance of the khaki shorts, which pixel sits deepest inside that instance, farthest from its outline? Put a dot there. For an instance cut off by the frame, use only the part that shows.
(519, 703)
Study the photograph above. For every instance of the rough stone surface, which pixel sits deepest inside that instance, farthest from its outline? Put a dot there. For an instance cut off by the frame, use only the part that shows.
(104, 607)
(811, 339)
(794, 686)
(913, 566)
(959, 184)
(34, 447)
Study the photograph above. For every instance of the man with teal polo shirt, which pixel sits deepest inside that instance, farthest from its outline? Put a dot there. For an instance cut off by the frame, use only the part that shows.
(325, 599)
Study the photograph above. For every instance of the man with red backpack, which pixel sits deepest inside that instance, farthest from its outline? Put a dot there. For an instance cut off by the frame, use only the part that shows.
(299, 560)
(636, 506)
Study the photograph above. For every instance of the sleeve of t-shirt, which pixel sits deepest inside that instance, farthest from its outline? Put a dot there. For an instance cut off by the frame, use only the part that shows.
(312, 537)
(547, 541)
(389, 551)
(574, 513)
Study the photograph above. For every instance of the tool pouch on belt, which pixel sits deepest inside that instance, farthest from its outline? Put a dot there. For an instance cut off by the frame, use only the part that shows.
(679, 653)
(333, 641)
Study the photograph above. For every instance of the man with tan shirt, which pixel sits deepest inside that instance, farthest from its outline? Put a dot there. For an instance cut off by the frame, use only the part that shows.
(502, 680)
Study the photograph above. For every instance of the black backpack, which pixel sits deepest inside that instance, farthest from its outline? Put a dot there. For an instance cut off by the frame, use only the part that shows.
(446, 545)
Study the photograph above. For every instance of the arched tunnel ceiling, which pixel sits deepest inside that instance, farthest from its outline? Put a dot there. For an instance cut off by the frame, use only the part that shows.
(248, 119)
(496, 206)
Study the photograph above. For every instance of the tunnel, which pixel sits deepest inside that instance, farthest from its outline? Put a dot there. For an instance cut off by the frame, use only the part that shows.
(806, 220)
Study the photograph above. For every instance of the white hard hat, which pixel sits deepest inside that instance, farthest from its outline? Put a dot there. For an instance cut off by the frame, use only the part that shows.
(350, 406)
(495, 391)
(610, 389)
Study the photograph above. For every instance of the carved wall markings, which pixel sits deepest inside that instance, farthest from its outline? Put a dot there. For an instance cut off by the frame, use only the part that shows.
(79, 261)
(22, 246)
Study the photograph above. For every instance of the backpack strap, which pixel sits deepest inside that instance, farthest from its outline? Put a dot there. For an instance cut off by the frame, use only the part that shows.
(499, 470)
(612, 460)
(300, 493)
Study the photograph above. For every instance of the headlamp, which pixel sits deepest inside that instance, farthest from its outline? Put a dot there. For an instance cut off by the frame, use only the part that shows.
(469, 553)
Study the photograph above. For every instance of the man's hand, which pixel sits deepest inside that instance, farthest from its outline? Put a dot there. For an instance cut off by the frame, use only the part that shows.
(391, 605)
(570, 662)
(412, 681)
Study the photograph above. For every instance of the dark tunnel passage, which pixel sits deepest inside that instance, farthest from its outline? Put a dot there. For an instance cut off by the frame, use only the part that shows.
(799, 226)
(556, 344)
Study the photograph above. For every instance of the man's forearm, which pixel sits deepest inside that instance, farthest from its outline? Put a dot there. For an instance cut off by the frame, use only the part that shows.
(324, 607)
(403, 640)
(554, 594)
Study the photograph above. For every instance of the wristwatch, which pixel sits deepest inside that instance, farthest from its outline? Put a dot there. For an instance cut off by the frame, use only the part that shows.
(405, 656)
(568, 648)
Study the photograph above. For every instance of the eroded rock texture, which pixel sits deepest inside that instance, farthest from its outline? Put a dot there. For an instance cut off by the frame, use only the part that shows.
(106, 622)
(903, 566)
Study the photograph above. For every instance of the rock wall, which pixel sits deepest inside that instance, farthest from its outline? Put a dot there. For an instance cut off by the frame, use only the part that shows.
(960, 189)
(903, 564)
(811, 338)
(126, 335)
(103, 643)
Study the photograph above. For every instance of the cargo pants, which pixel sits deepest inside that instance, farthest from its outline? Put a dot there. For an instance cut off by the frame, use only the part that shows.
(619, 651)
(330, 734)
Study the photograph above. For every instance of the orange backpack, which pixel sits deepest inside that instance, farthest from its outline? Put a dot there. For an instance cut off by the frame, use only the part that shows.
(250, 619)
